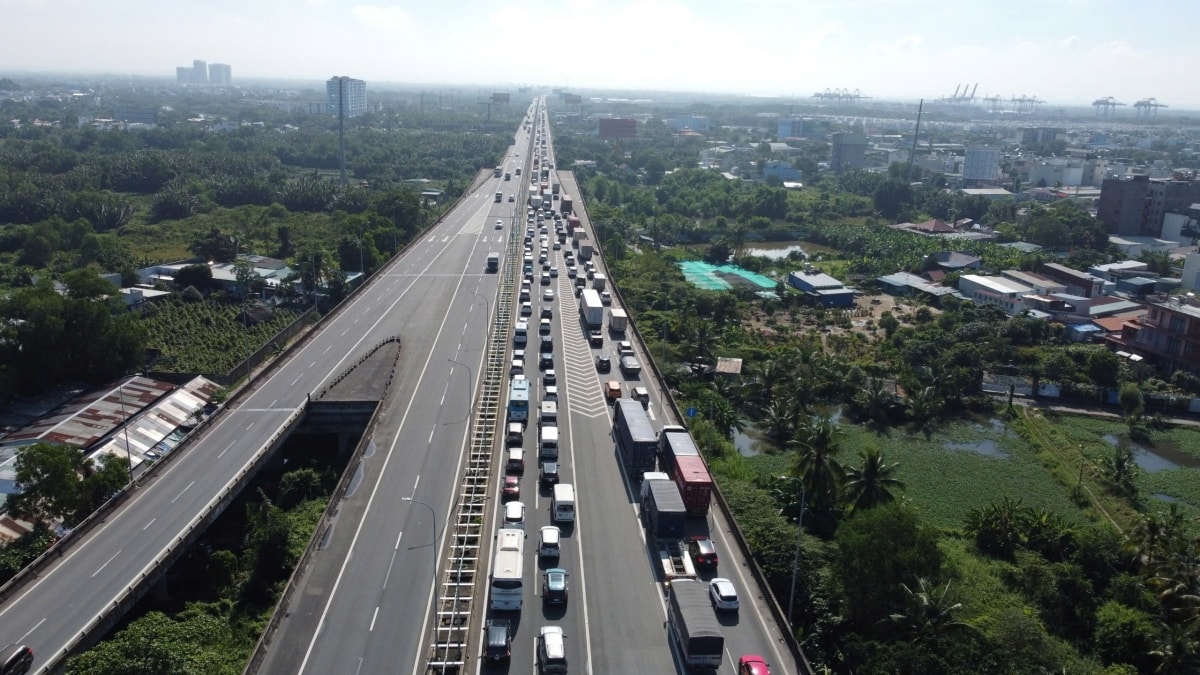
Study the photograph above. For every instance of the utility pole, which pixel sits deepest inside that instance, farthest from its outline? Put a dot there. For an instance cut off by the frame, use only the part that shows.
(912, 155)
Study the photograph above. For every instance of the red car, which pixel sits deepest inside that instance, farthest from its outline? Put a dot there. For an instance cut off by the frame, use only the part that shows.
(752, 664)
(512, 486)
(703, 551)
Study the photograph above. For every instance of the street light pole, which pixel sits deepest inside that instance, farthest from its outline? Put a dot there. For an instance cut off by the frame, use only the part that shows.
(125, 429)
(433, 547)
(796, 559)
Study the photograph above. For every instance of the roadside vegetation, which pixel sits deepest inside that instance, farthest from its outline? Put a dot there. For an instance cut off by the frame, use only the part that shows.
(943, 531)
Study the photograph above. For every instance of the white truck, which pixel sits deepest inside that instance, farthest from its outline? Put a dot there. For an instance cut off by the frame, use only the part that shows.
(618, 321)
(592, 309)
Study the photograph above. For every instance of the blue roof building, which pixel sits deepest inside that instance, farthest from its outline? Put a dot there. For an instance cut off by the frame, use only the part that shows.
(821, 287)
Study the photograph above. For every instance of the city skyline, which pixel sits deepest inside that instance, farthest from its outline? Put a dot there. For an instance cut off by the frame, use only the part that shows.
(1066, 52)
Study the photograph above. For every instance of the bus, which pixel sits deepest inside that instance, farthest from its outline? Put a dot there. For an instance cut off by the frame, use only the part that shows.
(518, 400)
(508, 576)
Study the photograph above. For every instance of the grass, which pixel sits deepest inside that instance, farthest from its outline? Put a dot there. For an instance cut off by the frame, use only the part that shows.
(946, 482)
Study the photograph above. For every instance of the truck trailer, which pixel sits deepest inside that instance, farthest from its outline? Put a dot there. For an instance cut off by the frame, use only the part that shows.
(566, 205)
(673, 441)
(636, 439)
(591, 308)
(695, 483)
(693, 624)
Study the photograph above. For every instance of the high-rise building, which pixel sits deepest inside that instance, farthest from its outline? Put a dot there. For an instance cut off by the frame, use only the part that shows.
(849, 152)
(791, 127)
(347, 95)
(220, 73)
(981, 163)
(200, 71)
(1137, 204)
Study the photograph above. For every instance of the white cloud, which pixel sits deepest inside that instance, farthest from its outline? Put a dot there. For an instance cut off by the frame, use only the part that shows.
(383, 17)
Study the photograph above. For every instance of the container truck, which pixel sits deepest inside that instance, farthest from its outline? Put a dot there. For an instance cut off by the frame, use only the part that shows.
(591, 308)
(672, 442)
(636, 439)
(599, 281)
(535, 200)
(554, 187)
(497, 171)
(493, 262)
(507, 175)
(567, 205)
(693, 624)
(618, 321)
(499, 197)
(585, 250)
(663, 512)
(695, 483)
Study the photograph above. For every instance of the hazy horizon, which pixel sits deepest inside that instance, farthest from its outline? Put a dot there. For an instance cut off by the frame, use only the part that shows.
(1065, 52)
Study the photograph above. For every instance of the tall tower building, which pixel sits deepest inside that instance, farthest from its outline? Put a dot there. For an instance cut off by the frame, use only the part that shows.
(347, 95)
(849, 152)
(981, 163)
(199, 72)
(220, 73)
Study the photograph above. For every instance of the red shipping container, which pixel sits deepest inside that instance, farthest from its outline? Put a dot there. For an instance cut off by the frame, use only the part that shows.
(695, 483)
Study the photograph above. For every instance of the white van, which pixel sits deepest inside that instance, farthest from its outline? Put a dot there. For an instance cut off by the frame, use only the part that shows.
(562, 504)
(548, 540)
(548, 448)
(515, 462)
(548, 414)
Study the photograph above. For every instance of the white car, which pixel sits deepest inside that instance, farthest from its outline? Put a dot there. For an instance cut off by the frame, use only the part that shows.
(550, 394)
(605, 298)
(548, 295)
(553, 271)
(724, 595)
(499, 224)
(526, 309)
(514, 515)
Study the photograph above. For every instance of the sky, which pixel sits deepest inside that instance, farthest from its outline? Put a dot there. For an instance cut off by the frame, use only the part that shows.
(1065, 52)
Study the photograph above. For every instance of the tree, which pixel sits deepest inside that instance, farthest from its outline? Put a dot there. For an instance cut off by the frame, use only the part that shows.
(877, 551)
(870, 485)
(816, 443)
(1103, 367)
(1125, 635)
(930, 613)
(891, 198)
(1132, 403)
(198, 276)
(998, 528)
(215, 246)
(47, 482)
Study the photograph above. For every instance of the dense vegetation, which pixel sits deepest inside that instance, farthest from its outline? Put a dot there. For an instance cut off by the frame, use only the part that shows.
(918, 556)
(76, 200)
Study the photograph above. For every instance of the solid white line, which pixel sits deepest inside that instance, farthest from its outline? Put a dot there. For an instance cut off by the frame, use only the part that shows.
(189, 485)
(101, 568)
(149, 524)
(379, 483)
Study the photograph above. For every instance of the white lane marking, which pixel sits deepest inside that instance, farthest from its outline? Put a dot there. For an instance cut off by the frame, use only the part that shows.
(273, 403)
(226, 449)
(30, 631)
(250, 426)
(431, 434)
(185, 489)
(149, 524)
(101, 568)
(296, 380)
(414, 493)
(373, 617)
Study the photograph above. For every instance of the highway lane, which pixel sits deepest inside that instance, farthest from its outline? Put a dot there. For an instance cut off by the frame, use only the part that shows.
(51, 611)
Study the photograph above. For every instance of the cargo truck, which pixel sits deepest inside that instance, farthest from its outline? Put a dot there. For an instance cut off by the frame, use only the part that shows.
(585, 250)
(663, 513)
(599, 281)
(554, 187)
(567, 206)
(618, 321)
(693, 624)
(493, 262)
(591, 308)
(636, 439)
(499, 197)
(695, 484)
(497, 171)
(535, 200)
(672, 442)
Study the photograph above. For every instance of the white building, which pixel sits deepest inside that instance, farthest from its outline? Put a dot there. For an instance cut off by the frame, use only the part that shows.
(1057, 173)
(346, 93)
(996, 290)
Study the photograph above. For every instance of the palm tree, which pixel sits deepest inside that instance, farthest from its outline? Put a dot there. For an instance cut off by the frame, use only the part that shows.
(930, 613)
(779, 421)
(1178, 650)
(1120, 469)
(922, 405)
(873, 399)
(872, 484)
(816, 442)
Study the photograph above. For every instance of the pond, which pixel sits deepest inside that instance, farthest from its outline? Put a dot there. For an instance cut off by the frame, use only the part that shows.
(1160, 456)
(749, 441)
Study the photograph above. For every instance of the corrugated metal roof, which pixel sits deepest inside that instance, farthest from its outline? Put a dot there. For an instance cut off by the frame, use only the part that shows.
(87, 418)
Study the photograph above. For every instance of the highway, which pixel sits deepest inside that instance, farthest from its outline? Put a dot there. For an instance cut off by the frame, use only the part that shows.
(614, 620)
(366, 610)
